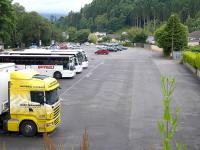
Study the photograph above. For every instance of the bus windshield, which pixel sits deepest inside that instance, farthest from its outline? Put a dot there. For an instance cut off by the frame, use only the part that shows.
(72, 64)
(77, 62)
(85, 56)
(51, 97)
(80, 58)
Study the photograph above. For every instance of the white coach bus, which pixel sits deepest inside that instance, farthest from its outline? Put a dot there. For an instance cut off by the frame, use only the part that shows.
(57, 66)
(78, 59)
(81, 55)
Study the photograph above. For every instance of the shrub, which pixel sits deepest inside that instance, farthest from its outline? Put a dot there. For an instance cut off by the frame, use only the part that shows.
(92, 38)
(137, 35)
(127, 44)
(190, 58)
(197, 61)
(140, 37)
(195, 48)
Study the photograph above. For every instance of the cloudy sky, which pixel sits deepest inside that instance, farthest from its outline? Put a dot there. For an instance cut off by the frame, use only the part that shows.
(53, 6)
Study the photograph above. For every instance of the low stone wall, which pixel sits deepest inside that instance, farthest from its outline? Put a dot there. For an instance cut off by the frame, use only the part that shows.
(139, 45)
(156, 48)
(147, 46)
(190, 67)
(194, 70)
(198, 73)
(153, 47)
(193, 43)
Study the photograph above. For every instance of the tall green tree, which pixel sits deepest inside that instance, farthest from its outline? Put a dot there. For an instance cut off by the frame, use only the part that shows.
(172, 36)
(7, 20)
(82, 35)
(101, 22)
(72, 34)
(35, 28)
(194, 23)
(17, 30)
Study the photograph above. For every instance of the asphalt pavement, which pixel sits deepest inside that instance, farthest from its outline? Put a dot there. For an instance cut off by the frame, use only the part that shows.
(119, 101)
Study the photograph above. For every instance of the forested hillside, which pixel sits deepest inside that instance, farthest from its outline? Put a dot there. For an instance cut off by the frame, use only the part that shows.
(111, 15)
(19, 28)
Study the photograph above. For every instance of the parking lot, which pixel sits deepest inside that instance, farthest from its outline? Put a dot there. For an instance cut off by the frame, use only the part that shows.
(118, 100)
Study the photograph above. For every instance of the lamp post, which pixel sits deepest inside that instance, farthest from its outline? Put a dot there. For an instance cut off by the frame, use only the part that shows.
(40, 41)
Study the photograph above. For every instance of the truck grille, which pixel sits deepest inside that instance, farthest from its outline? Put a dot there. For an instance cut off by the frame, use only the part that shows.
(56, 121)
(56, 111)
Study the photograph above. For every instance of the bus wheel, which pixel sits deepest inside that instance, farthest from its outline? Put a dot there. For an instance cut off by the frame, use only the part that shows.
(57, 75)
(28, 128)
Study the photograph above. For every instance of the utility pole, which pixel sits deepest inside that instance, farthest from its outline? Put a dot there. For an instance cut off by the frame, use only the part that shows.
(172, 36)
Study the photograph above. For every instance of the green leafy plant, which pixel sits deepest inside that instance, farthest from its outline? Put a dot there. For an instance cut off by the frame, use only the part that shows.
(181, 146)
(168, 126)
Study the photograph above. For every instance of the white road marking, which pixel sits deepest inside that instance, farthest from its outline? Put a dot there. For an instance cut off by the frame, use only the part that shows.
(86, 76)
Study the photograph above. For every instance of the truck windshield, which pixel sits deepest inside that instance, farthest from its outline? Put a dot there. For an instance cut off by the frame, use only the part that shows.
(51, 97)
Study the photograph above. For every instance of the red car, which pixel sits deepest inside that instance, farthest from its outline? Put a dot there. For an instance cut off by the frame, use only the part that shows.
(102, 51)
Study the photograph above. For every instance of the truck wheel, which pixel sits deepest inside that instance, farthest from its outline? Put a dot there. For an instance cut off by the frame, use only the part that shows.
(57, 75)
(28, 128)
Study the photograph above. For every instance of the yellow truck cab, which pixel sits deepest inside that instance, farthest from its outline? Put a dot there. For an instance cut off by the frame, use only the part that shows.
(32, 103)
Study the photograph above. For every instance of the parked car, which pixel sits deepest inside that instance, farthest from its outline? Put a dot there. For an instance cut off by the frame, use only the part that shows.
(63, 46)
(87, 43)
(123, 47)
(102, 51)
(33, 46)
(112, 49)
(118, 48)
(101, 46)
(54, 46)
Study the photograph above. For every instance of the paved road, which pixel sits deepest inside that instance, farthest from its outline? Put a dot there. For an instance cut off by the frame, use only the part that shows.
(118, 99)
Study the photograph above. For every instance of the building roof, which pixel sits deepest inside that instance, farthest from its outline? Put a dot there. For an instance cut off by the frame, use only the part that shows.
(195, 34)
(113, 36)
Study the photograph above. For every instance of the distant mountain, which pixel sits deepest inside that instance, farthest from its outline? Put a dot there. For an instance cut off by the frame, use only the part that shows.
(113, 15)
(52, 16)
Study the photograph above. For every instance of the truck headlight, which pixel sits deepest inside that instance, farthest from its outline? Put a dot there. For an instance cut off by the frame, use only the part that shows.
(49, 124)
